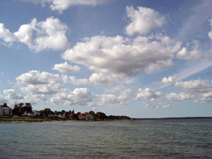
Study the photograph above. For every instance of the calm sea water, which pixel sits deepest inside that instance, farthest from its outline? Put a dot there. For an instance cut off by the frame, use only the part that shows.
(140, 139)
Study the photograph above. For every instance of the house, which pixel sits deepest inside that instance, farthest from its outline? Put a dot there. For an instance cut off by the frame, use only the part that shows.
(5, 111)
(71, 116)
(81, 116)
(63, 116)
(85, 116)
(35, 113)
(89, 117)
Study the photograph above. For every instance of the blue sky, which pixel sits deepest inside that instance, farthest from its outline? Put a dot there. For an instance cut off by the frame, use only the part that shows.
(137, 58)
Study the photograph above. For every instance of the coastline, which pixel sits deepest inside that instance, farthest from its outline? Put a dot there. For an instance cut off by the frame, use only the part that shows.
(31, 120)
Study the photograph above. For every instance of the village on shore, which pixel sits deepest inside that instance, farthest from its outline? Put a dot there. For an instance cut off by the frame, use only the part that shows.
(25, 112)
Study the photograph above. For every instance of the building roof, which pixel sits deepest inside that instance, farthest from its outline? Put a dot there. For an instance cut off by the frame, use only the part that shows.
(86, 113)
(71, 115)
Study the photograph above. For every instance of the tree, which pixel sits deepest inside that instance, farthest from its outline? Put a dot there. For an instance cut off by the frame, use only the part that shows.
(15, 109)
(28, 108)
(20, 106)
(72, 112)
(92, 113)
(101, 115)
(47, 111)
(5, 105)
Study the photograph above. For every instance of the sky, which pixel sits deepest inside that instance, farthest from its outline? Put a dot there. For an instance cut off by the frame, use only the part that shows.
(140, 58)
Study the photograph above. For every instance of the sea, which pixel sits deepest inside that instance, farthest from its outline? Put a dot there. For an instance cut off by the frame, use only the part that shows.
(145, 139)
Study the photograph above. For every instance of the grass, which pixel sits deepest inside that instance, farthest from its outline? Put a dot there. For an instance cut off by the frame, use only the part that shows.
(25, 119)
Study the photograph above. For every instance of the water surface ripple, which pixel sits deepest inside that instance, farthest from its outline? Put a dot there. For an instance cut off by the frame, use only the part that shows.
(187, 138)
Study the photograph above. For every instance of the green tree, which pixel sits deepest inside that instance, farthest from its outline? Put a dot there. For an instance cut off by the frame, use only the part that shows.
(15, 109)
(20, 106)
(28, 107)
(92, 113)
(101, 115)
(47, 111)
(5, 105)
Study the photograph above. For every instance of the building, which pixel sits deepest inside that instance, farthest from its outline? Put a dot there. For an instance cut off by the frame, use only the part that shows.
(5, 111)
(35, 113)
(85, 116)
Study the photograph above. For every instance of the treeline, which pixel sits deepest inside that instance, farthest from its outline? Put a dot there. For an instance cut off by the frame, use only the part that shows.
(22, 109)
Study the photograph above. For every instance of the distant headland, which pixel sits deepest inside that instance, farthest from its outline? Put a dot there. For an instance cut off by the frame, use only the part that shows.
(23, 112)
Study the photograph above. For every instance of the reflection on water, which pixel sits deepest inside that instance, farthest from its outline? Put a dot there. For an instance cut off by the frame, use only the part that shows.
(140, 139)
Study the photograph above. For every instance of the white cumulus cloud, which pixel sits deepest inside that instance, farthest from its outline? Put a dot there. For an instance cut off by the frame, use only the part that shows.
(35, 77)
(50, 35)
(50, 88)
(81, 96)
(95, 79)
(146, 93)
(178, 97)
(193, 54)
(199, 88)
(143, 20)
(123, 57)
(66, 68)
(170, 79)
(61, 5)
(101, 79)
(122, 99)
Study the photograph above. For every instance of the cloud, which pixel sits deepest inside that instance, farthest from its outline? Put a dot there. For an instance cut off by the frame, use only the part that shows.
(101, 79)
(95, 79)
(81, 96)
(146, 94)
(108, 99)
(197, 88)
(170, 79)
(6, 35)
(210, 33)
(125, 96)
(151, 99)
(178, 97)
(35, 82)
(155, 104)
(193, 54)
(143, 20)
(194, 86)
(50, 88)
(123, 57)
(61, 5)
(50, 35)
(11, 95)
(79, 82)
(35, 77)
(122, 99)
(66, 68)
(35, 99)
(2, 99)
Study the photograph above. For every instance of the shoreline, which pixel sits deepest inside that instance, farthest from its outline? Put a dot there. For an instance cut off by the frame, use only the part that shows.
(12, 120)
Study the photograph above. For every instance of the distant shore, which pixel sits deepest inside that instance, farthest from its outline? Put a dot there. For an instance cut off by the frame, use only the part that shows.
(28, 120)
(172, 118)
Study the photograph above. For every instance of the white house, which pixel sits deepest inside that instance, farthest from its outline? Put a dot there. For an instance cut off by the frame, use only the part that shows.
(35, 113)
(5, 111)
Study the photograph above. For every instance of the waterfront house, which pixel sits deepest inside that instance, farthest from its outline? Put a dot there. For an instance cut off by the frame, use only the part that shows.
(5, 111)
(71, 116)
(81, 116)
(85, 116)
(35, 113)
